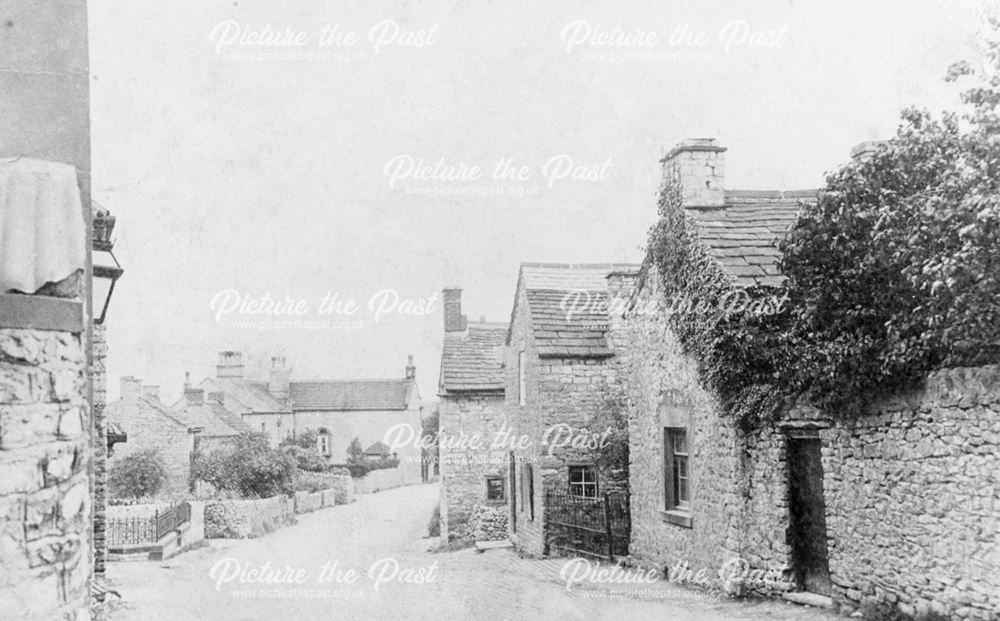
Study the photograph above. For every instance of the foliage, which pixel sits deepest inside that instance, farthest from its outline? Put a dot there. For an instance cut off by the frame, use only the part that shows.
(306, 458)
(356, 452)
(140, 474)
(304, 439)
(308, 481)
(892, 273)
(247, 465)
(614, 452)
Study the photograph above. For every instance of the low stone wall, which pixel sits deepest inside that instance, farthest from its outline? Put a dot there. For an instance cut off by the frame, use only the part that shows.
(378, 480)
(343, 490)
(306, 502)
(489, 522)
(243, 519)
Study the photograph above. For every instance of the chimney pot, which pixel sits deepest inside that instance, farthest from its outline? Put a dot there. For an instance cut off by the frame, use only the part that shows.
(230, 365)
(411, 371)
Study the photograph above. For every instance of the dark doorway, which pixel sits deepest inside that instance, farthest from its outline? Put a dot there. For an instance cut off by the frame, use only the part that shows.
(807, 515)
(513, 494)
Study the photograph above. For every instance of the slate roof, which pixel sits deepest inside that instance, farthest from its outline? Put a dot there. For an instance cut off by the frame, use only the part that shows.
(744, 236)
(251, 395)
(214, 420)
(377, 448)
(122, 414)
(568, 307)
(350, 395)
(473, 360)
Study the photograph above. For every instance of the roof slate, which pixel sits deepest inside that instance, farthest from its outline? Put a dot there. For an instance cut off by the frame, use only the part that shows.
(350, 395)
(252, 395)
(473, 360)
(744, 236)
(568, 305)
(214, 420)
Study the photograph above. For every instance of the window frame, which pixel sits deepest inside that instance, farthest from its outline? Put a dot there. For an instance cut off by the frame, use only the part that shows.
(583, 484)
(323, 442)
(503, 488)
(676, 487)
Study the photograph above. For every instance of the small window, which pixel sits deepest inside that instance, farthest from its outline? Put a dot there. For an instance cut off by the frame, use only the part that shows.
(263, 427)
(323, 442)
(494, 489)
(676, 474)
(521, 396)
(531, 491)
(583, 481)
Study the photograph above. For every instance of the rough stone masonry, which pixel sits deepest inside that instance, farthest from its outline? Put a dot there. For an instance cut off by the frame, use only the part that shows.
(45, 506)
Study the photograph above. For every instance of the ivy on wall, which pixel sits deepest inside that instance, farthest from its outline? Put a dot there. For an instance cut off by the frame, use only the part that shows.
(892, 273)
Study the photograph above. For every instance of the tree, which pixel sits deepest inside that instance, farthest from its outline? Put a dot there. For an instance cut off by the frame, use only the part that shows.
(355, 452)
(896, 270)
(140, 474)
(249, 466)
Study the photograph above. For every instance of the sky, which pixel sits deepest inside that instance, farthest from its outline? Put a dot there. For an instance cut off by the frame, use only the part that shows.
(348, 160)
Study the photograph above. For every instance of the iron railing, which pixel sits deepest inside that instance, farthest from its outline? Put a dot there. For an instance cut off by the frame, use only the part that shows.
(148, 529)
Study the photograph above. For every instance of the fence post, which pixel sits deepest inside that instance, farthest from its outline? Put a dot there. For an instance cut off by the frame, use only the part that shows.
(607, 525)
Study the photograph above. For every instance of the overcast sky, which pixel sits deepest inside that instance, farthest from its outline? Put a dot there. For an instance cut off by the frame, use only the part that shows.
(238, 175)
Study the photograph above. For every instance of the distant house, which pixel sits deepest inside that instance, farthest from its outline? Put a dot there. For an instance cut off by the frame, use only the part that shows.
(560, 367)
(471, 389)
(378, 451)
(337, 410)
(341, 410)
(173, 432)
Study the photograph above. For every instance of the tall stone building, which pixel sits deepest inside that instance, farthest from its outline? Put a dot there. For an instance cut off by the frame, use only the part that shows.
(474, 486)
(559, 369)
(892, 514)
(46, 514)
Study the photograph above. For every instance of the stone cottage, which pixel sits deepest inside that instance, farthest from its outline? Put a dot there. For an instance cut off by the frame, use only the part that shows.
(560, 367)
(474, 486)
(338, 410)
(894, 513)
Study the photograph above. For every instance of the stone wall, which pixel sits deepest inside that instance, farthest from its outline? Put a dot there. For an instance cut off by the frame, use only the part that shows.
(99, 482)
(489, 522)
(464, 469)
(913, 501)
(151, 428)
(247, 519)
(911, 487)
(663, 384)
(46, 515)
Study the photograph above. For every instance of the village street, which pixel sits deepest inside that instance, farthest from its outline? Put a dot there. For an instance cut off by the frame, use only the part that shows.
(377, 532)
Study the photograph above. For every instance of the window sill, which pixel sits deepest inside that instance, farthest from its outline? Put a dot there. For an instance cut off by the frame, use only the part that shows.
(677, 517)
(495, 503)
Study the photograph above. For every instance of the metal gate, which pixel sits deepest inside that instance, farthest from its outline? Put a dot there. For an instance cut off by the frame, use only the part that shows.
(597, 527)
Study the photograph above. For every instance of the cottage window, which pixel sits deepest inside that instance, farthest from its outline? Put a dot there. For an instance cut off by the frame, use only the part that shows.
(531, 491)
(323, 442)
(583, 481)
(521, 396)
(494, 489)
(676, 469)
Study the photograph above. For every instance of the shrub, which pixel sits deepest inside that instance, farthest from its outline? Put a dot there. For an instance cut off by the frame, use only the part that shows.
(139, 474)
(249, 466)
(306, 458)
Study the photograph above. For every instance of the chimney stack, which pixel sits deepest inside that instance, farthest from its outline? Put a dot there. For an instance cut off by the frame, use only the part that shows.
(153, 392)
(131, 388)
(194, 396)
(278, 378)
(698, 165)
(864, 150)
(187, 381)
(454, 320)
(411, 371)
(230, 365)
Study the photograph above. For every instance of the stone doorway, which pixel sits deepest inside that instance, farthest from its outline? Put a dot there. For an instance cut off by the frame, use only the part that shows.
(807, 512)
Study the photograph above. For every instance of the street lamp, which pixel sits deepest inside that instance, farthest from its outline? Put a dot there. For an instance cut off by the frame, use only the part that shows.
(106, 269)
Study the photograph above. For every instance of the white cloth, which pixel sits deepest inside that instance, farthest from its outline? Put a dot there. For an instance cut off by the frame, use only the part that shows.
(43, 235)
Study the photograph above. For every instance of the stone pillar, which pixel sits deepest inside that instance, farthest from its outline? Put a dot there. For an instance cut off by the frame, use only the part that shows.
(698, 165)
(45, 504)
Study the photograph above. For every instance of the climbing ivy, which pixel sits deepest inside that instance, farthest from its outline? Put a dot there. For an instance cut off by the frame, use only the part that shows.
(892, 273)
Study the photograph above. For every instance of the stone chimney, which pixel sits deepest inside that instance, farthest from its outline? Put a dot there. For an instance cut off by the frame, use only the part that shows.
(152, 392)
(187, 381)
(131, 388)
(864, 150)
(194, 396)
(454, 320)
(411, 371)
(278, 378)
(698, 164)
(230, 365)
